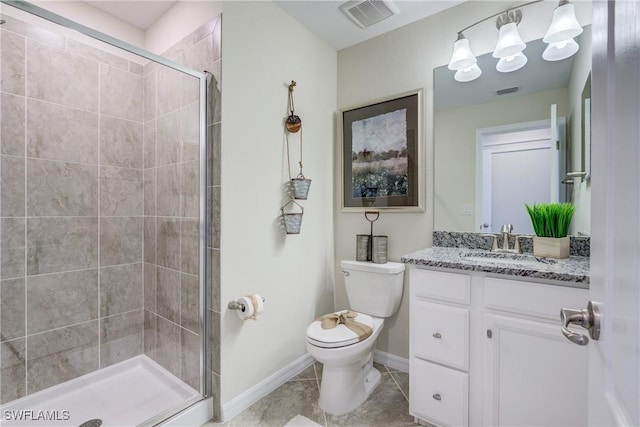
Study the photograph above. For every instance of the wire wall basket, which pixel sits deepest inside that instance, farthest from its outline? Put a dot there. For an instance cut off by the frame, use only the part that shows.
(292, 220)
(300, 186)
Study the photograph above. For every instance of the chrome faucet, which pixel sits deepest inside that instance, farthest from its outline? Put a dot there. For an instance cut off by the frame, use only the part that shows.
(506, 232)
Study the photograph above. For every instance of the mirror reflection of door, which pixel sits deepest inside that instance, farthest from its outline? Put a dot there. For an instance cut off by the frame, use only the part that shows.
(517, 165)
(460, 109)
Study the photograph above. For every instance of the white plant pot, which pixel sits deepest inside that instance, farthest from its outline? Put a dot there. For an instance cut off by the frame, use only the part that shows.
(551, 247)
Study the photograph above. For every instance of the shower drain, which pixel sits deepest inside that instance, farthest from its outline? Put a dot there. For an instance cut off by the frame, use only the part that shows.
(92, 423)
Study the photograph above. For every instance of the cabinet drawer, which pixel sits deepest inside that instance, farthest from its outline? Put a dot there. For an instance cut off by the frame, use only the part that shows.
(443, 286)
(440, 333)
(437, 394)
(532, 299)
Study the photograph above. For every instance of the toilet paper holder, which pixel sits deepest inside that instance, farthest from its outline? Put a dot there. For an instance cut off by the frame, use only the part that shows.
(237, 305)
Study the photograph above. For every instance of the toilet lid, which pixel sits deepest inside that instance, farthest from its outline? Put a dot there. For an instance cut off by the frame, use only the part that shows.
(339, 336)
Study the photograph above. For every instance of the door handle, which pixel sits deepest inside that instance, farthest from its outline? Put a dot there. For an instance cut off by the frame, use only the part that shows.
(588, 318)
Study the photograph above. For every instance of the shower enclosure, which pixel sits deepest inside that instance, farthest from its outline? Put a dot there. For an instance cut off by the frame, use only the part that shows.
(102, 229)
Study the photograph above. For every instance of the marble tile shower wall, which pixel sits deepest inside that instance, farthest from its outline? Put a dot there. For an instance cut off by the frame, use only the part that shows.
(171, 207)
(71, 227)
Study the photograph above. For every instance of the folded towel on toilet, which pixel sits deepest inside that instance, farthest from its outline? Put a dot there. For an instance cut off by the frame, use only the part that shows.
(332, 320)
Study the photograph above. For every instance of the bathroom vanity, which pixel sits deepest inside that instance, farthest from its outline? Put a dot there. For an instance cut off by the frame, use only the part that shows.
(486, 346)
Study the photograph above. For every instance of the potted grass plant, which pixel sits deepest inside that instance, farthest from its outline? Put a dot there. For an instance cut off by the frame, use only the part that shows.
(551, 223)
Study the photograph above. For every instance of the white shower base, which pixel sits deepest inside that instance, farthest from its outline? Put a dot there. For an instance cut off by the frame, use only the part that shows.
(125, 394)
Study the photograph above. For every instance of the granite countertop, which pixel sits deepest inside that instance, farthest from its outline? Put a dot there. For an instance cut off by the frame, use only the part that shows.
(572, 271)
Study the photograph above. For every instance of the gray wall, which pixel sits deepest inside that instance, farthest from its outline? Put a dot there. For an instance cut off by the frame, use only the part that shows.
(71, 207)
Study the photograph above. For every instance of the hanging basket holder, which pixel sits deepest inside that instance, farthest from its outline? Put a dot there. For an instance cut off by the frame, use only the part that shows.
(292, 220)
(299, 185)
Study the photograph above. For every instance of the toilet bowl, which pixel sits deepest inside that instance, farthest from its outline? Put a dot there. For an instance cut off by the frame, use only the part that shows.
(348, 376)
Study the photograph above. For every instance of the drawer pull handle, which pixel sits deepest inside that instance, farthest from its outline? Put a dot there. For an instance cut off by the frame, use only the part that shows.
(437, 396)
(437, 335)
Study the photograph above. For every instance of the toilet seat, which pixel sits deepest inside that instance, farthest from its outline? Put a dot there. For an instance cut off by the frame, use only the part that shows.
(340, 336)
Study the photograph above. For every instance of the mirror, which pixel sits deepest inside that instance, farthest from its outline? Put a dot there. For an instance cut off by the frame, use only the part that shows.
(489, 142)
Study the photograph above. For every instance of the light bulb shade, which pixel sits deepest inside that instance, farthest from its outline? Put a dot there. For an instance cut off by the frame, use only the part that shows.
(564, 25)
(509, 41)
(561, 50)
(462, 56)
(467, 74)
(511, 63)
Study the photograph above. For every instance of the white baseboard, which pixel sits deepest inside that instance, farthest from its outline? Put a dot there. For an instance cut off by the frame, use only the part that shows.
(264, 387)
(391, 360)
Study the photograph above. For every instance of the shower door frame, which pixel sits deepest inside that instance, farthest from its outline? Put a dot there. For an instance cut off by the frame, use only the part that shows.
(202, 226)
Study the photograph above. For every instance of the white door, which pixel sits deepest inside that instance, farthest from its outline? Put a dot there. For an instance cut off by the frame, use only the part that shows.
(515, 168)
(614, 365)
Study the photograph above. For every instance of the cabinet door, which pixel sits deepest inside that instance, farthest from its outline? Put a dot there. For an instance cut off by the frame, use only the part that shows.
(533, 375)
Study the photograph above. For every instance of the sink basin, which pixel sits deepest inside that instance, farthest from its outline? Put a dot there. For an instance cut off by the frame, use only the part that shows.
(506, 258)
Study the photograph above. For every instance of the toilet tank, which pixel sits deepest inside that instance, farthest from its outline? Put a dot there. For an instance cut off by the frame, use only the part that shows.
(373, 289)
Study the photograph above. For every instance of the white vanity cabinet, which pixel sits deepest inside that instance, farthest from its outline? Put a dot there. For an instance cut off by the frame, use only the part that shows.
(511, 366)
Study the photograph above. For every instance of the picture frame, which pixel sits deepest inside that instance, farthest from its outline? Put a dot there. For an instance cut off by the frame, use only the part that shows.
(382, 155)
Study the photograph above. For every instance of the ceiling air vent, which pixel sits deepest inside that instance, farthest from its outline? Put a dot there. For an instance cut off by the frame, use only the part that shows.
(368, 12)
(507, 90)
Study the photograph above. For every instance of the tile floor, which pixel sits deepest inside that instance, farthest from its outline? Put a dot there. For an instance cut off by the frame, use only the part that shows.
(388, 405)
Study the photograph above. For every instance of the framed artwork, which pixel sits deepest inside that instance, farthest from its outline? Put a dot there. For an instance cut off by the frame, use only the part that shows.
(381, 155)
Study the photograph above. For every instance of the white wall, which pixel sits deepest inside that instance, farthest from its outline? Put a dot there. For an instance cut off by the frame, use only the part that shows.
(89, 16)
(264, 49)
(178, 22)
(582, 190)
(397, 62)
(455, 149)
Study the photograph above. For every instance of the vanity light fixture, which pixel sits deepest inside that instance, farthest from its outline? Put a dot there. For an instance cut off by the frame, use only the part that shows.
(560, 35)
(509, 41)
(509, 49)
(468, 74)
(561, 50)
(511, 63)
(564, 24)
(462, 56)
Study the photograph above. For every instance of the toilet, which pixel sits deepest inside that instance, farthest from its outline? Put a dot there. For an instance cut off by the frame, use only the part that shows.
(374, 292)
